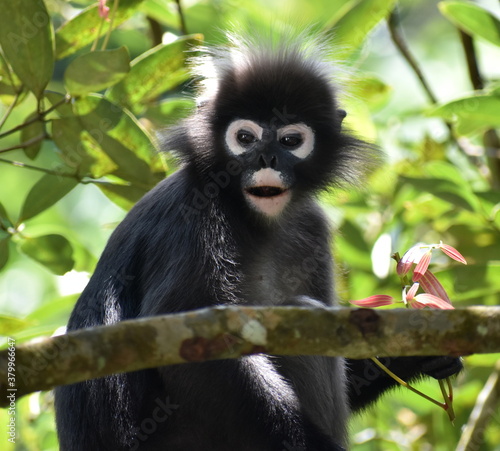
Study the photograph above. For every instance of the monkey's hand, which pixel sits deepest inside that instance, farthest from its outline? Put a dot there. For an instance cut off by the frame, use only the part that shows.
(441, 367)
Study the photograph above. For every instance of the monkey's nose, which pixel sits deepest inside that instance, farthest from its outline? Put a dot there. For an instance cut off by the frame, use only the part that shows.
(266, 161)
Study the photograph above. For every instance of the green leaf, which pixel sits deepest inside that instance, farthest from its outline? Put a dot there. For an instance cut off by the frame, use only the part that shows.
(82, 29)
(447, 190)
(472, 114)
(160, 69)
(472, 19)
(10, 325)
(353, 26)
(371, 90)
(121, 136)
(169, 111)
(26, 37)
(79, 149)
(125, 196)
(4, 251)
(95, 71)
(5, 222)
(32, 131)
(45, 193)
(53, 251)
(10, 84)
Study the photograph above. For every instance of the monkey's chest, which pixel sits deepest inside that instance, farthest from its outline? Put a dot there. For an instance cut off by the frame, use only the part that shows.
(273, 282)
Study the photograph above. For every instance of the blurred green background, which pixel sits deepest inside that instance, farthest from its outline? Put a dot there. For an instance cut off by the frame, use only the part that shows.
(440, 181)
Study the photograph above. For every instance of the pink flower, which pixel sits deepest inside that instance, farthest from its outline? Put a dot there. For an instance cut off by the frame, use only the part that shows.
(452, 253)
(103, 9)
(423, 300)
(422, 265)
(430, 284)
(376, 300)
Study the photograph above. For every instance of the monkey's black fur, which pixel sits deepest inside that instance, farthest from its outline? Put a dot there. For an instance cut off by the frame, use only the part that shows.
(201, 238)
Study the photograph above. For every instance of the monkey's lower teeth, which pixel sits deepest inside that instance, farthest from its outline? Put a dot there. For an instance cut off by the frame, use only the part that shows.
(265, 191)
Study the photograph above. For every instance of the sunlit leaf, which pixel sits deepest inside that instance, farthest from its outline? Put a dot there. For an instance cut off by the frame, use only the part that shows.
(454, 193)
(26, 38)
(45, 193)
(52, 251)
(472, 19)
(472, 114)
(95, 71)
(82, 29)
(121, 136)
(154, 72)
(79, 149)
(353, 27)
(125, 196)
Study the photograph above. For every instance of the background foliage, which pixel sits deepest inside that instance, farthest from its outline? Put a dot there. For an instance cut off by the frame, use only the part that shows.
(79, 137)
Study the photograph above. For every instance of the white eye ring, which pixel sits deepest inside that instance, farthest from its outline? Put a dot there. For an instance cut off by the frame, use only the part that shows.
(307, 134)
(236, 126)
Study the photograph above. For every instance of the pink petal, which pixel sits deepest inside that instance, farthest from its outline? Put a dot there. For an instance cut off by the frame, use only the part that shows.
(422, 266)
(452, 253)
(376, 300)
(410, 295)
(103, 9)
(407, 260)
(430, 284)
(429, 300)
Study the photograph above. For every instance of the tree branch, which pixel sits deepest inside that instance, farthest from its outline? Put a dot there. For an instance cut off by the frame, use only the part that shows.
(231, 332)
(484, 410)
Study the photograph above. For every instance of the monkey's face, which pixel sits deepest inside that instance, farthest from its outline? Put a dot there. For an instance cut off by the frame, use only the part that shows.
(268, 155)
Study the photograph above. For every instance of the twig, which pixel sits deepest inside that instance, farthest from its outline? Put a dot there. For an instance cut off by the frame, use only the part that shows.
(36, 168)
(25, 144)
(181, 18)
(483, 412)
(35, 118)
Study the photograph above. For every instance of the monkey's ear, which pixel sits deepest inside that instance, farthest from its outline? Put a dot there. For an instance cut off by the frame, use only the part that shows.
(342, 114)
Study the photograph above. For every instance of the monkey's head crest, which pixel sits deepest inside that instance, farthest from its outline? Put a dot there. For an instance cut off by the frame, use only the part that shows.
(270, 109)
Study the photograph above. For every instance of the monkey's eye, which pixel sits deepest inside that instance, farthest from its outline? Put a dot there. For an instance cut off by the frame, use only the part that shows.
(245, 138)
(291, 140)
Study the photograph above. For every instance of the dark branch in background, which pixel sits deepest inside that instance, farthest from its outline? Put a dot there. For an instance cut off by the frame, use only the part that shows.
(484, 411)
(397, 37)
(156, 31)
(491, 141)
(399, 41)
(182, 20)
(231, 332)
(470, 56)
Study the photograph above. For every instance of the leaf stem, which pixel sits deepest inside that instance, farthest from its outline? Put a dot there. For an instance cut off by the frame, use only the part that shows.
(110, 29)
(406, 384)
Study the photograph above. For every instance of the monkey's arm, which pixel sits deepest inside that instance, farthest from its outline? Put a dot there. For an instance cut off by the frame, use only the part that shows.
(366, 381)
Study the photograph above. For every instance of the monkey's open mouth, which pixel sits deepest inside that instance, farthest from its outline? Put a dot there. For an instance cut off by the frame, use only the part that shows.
(265, 191)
